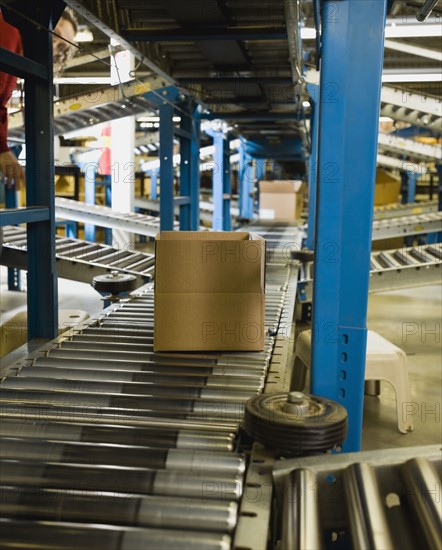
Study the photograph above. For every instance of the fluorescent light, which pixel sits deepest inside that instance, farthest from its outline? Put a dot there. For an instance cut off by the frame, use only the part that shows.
(308, 33)
(84, 35)
(82, 80)
(306, 104)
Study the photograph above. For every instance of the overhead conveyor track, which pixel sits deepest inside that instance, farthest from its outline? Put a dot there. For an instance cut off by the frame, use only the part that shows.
(390, 270)
(79, 260)
(109, 445)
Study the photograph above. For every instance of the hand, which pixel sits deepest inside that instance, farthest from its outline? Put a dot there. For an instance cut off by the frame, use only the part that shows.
(11, 170)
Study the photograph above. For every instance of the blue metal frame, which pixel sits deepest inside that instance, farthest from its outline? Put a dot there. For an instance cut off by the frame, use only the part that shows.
(245, 183)
(313, 90)
(351, 71)
(221, 181)
(166, 167)
(11, 201)
(409, 180)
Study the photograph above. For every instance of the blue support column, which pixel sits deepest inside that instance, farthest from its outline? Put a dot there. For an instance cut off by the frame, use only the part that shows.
(166, 167)
(195, 169)
(437, 237)
(351, 70)
(245, 184)
(221, 182)
(409, 180)
(107, 182)
(313, 90)
(90, 171)
(260, 175)
(11, 201)
(154, 185)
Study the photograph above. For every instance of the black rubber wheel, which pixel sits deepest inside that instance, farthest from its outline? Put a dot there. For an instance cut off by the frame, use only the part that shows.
(321, 426)
(114, 283)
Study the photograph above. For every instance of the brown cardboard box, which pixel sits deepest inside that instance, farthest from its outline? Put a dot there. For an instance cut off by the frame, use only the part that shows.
(387, 188)
(209, 291)
(281, 200)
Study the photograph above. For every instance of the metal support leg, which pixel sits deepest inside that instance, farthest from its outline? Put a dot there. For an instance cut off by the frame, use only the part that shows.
(90, 171)
(195, 170)
(11, 201)
(221, 183)
(107, 182)
(352, 59)
(409, 180)
(42, 276)
(154, 185)
(166, 167)
(189, 169)
(313, 90)
(245, 184)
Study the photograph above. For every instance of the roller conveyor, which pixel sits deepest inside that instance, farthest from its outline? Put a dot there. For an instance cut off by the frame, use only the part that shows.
(79, 260)
(418, 224)
(410, 209)
(98, 429)
(391, 270)
(103, 216)
(375, 499)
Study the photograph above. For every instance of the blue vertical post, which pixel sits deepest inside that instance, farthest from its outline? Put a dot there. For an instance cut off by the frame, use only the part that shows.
(195, 169)
(154, 185)
(185, 168)
(227, 186)
(40, 174)
(437, 236)
(260, 175)
(352, 60)
(313, 90)
(166, 167)
(409, 180)
(245, 184)
(11, 201)
(217, 181)
(107, 182)
(90, 171)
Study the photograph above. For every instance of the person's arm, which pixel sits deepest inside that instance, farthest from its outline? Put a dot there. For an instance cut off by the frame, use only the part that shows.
(10, 168)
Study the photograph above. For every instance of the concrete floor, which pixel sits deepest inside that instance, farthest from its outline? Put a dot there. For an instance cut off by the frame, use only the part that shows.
(411, 319)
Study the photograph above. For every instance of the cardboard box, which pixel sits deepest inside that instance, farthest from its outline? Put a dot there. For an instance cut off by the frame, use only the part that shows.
(281, 200)
(209, 291)
(387, 188)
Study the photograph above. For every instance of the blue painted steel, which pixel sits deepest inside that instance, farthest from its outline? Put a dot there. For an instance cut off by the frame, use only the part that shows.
(351, 70)
(32, 214)
(90, 171)
(22, 67)
(408, 188)
(245, 176)
(286, 149)
(42, 275)
(107, 182)
(11, 201)
(195, 169)
(260, 175)
(154, 185)
(221, 181)
(313, 90)
(185, 169)
(166, 167)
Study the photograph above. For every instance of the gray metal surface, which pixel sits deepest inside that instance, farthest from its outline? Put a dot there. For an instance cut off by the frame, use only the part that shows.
(407, 225)
(391, 269)
(368, 499)
(104, 216)
(410, 209)
(98, 429)
(80, 260)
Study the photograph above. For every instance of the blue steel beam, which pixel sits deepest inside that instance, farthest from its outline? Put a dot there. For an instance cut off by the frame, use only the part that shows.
(20, 66)
(351, 70)
(15, 216)
(409, 180)
(221, 181)
(166, 167)
(245, 183)
(313, 90)
(195, 169)
(204, 33)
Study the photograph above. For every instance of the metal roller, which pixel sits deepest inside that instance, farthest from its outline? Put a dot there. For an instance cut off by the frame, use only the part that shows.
(121, 455)
(366, 511)
(169, 390)
(147, 511)
(69, 536)
(135, 481)
(423, 494)
(233, 382)
(300, 512)
(123, 435)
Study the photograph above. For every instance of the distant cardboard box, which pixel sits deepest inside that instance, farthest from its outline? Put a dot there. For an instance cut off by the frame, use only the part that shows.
(281, 200)
(388, 188)
(209, 291)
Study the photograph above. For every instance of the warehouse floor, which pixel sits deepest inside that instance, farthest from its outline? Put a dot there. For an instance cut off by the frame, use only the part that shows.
(411, 319)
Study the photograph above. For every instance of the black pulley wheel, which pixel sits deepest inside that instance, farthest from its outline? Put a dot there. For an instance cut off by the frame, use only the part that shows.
(114, 283)
(295, 424)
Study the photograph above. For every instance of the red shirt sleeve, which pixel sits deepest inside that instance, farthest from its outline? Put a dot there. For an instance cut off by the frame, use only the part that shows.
(11, 40)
